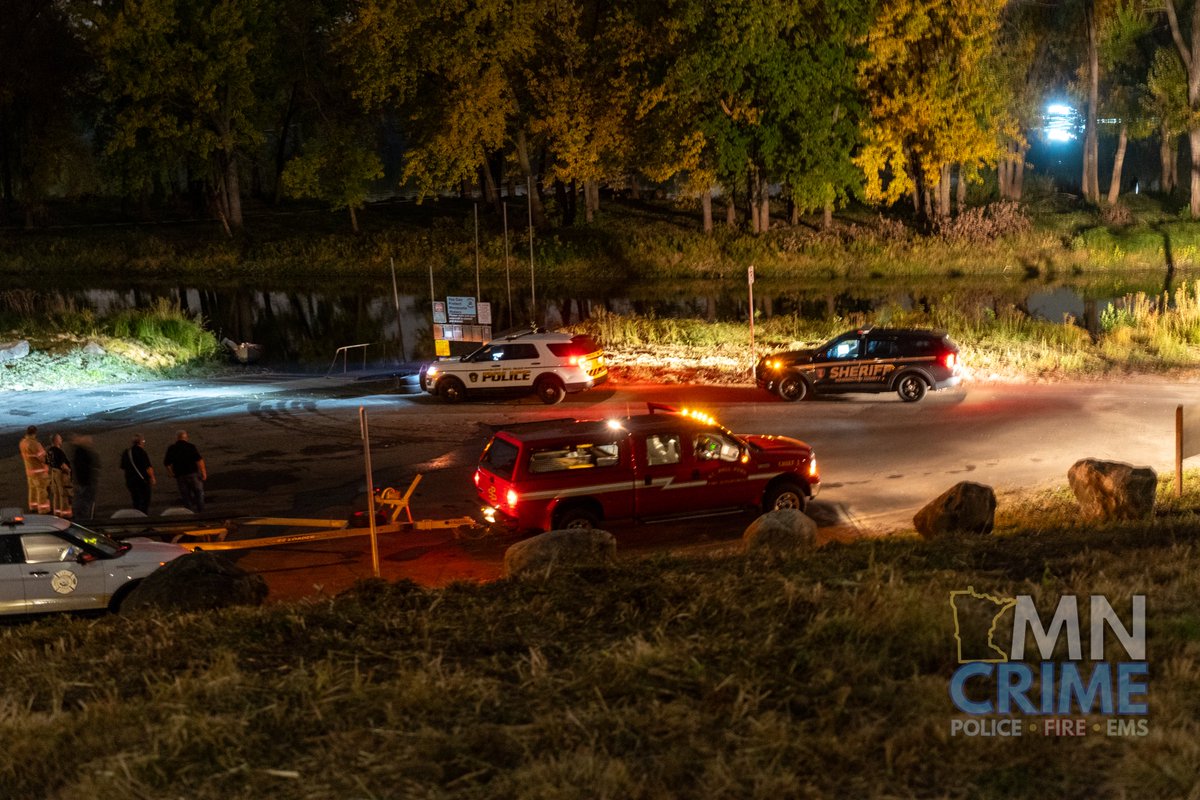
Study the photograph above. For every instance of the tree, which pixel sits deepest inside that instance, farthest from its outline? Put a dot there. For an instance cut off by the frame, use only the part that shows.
(179, 78)
(335, 167)
(1165, 100)
(453, 75)
(42, 106)
(1122, 35)
(931, 102)
(1189, 53)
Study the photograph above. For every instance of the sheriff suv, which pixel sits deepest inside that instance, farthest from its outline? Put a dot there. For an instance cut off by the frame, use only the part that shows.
(547, 364)
(667, 463)
(907, 362)
(52, 564)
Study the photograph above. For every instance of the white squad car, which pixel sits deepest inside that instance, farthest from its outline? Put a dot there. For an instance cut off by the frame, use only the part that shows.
(547, 364)
(52, 564)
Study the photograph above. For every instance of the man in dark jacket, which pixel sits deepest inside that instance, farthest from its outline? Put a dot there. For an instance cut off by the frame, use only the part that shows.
(183, 461)
(85, 470)
(139, 475)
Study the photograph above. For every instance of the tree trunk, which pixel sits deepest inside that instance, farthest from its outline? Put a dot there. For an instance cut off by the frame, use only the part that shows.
(1114, 185)
(827, 217)
(752, 187)
(535, 202)
(706, 210)
(233, 192)
(961, 204)
(1194, 145)
(635, 188)
(943, 187)
(1091, 157)
(1018, 176)
(488, 184)
(353, 219)
(1166, 159)
(281, 145)
(1003, 168)
(730, 210)
(765, 200)
(591, 198)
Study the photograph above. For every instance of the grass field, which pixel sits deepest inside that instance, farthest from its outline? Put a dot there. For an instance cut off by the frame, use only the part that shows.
(822, 675)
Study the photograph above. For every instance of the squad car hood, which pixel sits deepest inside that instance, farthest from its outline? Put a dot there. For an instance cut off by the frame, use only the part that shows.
(793, 357)
(144, 551)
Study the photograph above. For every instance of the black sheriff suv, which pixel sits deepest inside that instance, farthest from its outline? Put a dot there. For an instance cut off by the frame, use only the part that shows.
(907, 362)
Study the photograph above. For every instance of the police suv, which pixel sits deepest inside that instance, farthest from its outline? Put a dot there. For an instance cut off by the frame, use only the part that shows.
(51, 564)
(908, 362)
(548, 364)
(668, 463)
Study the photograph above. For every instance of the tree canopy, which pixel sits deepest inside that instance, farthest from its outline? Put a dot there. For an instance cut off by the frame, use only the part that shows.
(809, 102)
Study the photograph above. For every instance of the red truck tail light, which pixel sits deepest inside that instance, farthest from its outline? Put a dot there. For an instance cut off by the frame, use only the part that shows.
(511, 498)
(478, 478)
(950, 359)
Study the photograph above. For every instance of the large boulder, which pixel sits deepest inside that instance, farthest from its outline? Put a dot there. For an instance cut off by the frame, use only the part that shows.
(11, 351)
(1109, 490)
(198, 581)
(963, 508)
(557, 550)
(780, 532)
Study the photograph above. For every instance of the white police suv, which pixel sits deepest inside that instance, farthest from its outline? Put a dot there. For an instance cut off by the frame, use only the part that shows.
(51, 564)
(548, 364)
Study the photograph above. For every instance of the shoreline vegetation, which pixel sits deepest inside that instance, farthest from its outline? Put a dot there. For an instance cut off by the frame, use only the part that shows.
(820, 674)
(971, 277)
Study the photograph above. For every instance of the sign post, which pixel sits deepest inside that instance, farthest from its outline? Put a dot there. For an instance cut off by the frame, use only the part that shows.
(362, 428)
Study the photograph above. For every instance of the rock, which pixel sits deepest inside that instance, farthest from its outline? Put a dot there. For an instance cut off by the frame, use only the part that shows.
(780, 532)
(197, 581)
(11, 351)
(568, 549)
(963, 508)
(93, 349)
(1108, 490)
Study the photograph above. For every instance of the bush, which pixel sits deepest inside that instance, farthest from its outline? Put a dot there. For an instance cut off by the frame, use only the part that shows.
(985, 223)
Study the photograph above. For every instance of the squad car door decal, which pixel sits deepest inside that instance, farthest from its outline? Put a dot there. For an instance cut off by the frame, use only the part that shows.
(64, 581)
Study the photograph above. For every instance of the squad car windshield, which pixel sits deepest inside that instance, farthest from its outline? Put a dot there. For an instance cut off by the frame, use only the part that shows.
(96, 542)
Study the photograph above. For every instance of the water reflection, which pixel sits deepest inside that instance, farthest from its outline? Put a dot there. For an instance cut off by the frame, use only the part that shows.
(302, 327)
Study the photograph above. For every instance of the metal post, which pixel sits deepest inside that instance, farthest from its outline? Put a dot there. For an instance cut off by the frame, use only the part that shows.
(532, 290)
(1179, 451)
(362, 425)
(507, 278)
(399, 321)
(750, 286)
(478, 293)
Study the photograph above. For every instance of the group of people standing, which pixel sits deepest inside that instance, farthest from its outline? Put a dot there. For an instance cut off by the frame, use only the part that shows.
(66, 486)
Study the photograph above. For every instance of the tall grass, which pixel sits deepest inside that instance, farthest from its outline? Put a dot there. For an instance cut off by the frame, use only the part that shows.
(1139, 332)
(820, 675)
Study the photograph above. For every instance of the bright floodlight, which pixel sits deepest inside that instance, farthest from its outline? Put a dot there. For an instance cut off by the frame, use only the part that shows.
(1059, 110)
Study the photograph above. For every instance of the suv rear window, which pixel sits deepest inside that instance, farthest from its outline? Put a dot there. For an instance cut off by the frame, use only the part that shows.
(500, 458)
(578, 346)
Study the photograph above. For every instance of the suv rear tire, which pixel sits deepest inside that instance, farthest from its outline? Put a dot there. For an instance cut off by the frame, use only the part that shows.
(911, 387)
(785, 494)
(550, 390)
(452, 390)
(793, 388)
